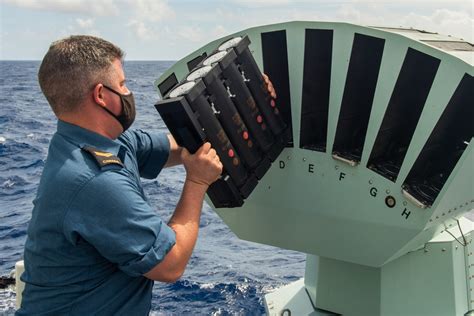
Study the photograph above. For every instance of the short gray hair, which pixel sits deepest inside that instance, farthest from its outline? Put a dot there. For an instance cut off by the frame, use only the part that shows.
(72, 67)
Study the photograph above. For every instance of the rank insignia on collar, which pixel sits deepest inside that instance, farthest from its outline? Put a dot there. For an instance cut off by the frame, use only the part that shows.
(103, 158)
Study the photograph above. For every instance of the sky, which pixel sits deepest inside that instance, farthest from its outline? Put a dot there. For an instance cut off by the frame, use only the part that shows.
(170, 30)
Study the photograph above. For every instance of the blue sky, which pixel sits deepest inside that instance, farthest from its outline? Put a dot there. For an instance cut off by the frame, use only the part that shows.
(169, 30)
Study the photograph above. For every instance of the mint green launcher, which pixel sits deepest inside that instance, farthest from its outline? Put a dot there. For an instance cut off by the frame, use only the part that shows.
(377, 172)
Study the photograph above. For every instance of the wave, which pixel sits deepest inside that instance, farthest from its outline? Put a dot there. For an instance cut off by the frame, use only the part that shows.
(242, 297)
(7, 302)
(13, 147)
(11, 182)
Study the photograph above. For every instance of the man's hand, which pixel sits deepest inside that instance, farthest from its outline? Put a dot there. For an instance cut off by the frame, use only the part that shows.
(204, 167)
(269, 84)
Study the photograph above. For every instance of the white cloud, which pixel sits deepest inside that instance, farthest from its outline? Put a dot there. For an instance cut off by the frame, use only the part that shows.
(94, 7)
(456, 22)
(263, 2)
(335, 3)
(183, 26)
(151, 10)
(191, 33)
(349, 13)
(266, 3)
(219, 31)
(443, 21)
(85, 23)
(80, 26)
(141, 30)
(145, 12)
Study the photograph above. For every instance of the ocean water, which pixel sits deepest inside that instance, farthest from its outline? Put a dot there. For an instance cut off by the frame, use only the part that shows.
(225, 276)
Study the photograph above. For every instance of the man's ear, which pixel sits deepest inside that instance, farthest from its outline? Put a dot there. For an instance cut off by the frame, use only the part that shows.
(98, 94)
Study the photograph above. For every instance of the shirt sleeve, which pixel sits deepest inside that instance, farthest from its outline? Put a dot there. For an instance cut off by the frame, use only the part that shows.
(110, 214)
(151, 149)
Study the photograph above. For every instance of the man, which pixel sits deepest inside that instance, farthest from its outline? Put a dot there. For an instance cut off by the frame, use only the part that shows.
(94, 244)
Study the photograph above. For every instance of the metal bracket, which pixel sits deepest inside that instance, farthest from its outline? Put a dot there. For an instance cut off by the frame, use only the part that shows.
(351, 163)
(412, 199)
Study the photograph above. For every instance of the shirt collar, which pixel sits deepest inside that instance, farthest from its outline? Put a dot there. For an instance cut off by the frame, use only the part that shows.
(82, 137)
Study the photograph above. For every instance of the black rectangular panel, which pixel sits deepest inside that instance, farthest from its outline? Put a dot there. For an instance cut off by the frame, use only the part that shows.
(316, 87)
(166, 85)
(446, 144)
(275, 65)
(359, 90)
(403, 112)
(196, 60)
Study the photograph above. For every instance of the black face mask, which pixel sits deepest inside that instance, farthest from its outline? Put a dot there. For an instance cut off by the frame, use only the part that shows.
(127, 116)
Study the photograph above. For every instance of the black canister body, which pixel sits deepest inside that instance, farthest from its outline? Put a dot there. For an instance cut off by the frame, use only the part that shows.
(218, 138)
(232, 122)
(245, 103)
(258, 88)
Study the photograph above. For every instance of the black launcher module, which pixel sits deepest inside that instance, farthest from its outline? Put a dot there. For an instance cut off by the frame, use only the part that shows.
(224, 100)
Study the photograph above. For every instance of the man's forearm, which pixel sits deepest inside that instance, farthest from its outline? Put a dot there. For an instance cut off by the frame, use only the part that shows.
(188, 210)
(185, 220)
(185, 223)
(174, 157)
(202, 169)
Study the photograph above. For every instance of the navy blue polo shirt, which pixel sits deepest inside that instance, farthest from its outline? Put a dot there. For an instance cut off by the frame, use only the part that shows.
(93, 233)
